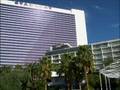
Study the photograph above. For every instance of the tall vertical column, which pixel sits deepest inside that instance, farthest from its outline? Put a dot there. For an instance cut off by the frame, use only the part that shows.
(81, 34)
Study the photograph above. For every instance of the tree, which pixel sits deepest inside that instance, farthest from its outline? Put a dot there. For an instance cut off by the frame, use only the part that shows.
(10, 78)
(45, 70)
(78, 71)
(20, 78)
(5, 69)
(94, 81)
(32, 79)
(66, 69)
(18, 67)
(84, 54)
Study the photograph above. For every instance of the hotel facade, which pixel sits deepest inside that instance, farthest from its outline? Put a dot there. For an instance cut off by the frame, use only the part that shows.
(102, 51)
(105, 50)
(28, 30)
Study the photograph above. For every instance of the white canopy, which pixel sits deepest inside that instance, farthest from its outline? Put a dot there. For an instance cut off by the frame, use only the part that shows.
(113, 70)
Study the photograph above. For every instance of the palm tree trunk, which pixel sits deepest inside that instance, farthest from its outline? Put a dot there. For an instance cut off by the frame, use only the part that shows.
(100, 78)
(45, 84)
(79, 85)
(69, 87)
(85, 70)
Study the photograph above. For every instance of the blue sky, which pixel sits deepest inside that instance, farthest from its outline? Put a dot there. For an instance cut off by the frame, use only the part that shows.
(102, 16)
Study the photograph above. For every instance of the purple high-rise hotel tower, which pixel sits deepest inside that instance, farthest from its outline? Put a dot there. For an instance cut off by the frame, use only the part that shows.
(29, 30)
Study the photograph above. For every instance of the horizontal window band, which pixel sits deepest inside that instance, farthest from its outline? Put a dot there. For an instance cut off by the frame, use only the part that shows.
(5, 28)
(27, 9)
(38, 28)
(44, 16)
(37, 22)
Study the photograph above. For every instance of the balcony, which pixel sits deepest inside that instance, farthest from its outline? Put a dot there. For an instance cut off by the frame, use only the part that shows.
(106, 50)
(97, 57)
(116, 43)
(97, 52)
(57, 61)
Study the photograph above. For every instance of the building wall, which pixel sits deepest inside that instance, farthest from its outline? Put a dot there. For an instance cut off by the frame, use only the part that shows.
(102, 51)
(105, 50)
(27, 33)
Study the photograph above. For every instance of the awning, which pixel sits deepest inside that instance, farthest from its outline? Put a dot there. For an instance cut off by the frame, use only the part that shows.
(112, 70)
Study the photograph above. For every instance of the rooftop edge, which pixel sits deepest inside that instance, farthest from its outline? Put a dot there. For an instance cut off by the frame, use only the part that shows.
(106, 41)
(38, 6)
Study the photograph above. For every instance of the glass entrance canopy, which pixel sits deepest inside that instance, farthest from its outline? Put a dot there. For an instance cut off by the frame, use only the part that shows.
(112, 70)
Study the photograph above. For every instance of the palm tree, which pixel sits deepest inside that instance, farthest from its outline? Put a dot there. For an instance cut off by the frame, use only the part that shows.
(33, 73)
(78, 71)
(66, 69)
(24, 81)
(45, 68)
(18, 67)
(94, 81)
(84, 54)
(6, 68)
